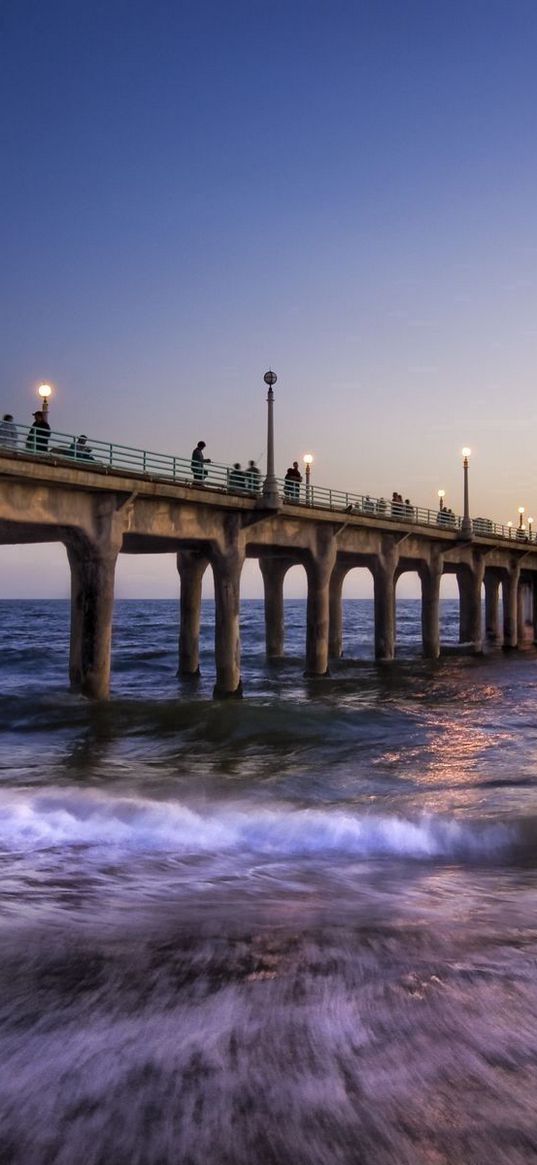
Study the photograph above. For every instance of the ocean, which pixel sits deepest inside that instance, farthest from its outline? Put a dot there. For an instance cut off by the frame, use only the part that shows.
(296, 929)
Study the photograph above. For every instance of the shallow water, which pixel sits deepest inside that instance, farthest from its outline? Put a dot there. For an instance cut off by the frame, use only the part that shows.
(297, 928)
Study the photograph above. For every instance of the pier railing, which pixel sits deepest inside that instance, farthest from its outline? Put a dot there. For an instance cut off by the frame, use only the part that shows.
(93, 454)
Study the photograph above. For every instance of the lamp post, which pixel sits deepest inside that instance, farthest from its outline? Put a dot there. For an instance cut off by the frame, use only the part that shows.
(466, 524)
(530, 528)
(44, 391)
(441, 496)
(307, 459)
(521, 510)
(271, 496)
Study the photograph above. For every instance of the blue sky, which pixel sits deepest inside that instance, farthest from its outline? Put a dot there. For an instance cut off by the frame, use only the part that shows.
(192, 192)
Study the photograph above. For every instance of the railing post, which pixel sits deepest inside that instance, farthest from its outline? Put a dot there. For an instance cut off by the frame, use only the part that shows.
(111, 454)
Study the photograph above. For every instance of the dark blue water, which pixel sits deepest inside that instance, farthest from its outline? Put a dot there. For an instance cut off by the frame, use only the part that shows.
(300, 928)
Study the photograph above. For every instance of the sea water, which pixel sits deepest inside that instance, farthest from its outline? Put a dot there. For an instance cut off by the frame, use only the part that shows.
(299, 928)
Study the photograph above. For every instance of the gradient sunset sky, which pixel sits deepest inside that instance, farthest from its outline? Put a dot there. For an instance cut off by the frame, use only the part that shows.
(346, 192)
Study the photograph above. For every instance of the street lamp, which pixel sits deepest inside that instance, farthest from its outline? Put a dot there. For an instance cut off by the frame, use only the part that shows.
(441, 496)
(521, 510)
(466, 524)
(271, 496)
(44, 391)
(530, 527)
(307, 459)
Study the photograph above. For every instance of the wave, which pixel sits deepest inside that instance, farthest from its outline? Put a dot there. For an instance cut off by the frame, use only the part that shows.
(36, 820)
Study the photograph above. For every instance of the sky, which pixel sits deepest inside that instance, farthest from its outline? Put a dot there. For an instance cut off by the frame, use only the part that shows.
(193, 192)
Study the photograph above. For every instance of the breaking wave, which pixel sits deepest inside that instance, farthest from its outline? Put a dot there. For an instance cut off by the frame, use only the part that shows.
(30, 819)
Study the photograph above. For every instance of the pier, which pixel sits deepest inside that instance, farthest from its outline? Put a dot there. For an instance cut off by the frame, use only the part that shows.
(127, 501)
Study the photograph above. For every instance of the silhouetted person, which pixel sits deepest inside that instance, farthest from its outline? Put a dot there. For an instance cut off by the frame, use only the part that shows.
(253, 477)
(38, 436)
(397, 505)
(199, 462)
(368, 505)
(237, 476)
(292, 482)
(8, 432)
(80, 449)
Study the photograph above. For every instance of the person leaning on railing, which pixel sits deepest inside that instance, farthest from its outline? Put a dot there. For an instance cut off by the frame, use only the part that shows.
(198, 462)
(38, 436)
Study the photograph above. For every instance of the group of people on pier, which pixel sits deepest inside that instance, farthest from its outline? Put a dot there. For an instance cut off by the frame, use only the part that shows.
(38, 438)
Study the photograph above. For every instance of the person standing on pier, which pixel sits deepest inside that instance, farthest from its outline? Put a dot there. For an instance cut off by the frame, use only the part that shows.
(199, 462)
(253, 477)
(38, 436)
(293, 479)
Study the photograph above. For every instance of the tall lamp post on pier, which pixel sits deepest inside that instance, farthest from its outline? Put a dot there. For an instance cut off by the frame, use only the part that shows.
(441, 496)
(271, 496)
(307, 459)
(521, 511)
(466, 524)
(44, 391)
(530, 528)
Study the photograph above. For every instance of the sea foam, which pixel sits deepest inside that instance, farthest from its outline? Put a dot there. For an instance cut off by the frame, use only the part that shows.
(31, 819)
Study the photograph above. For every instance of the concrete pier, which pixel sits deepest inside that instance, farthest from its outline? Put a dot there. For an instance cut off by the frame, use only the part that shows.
(319, 569)
(227, 562)
(191, 566)
(384, 602)
(335, 601)
(492, 607)
(100, 512)
(430, 577)
(273, 571)
(510, 607)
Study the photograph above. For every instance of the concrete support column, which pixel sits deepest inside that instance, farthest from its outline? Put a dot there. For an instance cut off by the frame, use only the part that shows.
(227, 567)
(492, 601)
(534, 605)
(384, 587)
(92, 606)
(524, 610)
(335, 630)
(431, 576)
(273, 571)
(510, 608)
(470, 617)
(319, 569)
(191, 566)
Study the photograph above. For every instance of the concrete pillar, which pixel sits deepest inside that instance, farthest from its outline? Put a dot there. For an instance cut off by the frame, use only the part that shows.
(534, 605)
(431, 576)
(470, 615)
(524, 610)
(92, 605)
(335, 630)
(273, 571)
(384, 589)
(319, 569)
(510, 608)
(191, 566)
(227, 567)
(492, 599)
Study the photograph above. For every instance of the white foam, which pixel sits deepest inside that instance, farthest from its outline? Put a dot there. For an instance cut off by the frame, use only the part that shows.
(31, 819)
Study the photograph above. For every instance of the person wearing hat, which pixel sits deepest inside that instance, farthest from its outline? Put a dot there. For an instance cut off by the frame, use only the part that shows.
(38, 436)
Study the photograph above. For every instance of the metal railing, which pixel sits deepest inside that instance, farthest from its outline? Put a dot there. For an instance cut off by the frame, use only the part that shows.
(93, 454)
